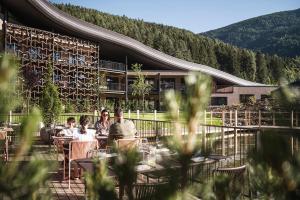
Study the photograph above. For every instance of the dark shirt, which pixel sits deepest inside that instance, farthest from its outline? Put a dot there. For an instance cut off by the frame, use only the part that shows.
(123, 129)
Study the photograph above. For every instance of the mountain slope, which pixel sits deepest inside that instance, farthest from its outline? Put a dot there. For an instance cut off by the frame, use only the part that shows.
(186, 45)
(277, 33)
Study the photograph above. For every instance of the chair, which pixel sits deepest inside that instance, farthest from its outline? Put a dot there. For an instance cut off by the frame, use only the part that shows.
(147, 191)
(236, 177)
(128, 143)
(78, 150)
(4, 144)
(59, 143)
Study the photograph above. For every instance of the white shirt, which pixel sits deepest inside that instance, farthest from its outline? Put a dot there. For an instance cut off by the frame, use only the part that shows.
(69, 132)
(90, 135)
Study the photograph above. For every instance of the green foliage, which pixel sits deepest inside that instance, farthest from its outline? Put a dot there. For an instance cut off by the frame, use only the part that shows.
(186, 45)
(99, 185)
(276, 33)
(139, 87)
(50, 102)
(21, 180)
(69, 107)
(8, 97)
(287, 97)
(274, 174)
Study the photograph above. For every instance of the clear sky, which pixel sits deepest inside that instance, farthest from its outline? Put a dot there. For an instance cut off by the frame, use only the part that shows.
(194, 15)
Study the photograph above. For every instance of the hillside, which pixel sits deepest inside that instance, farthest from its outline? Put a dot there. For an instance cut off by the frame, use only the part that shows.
(277, 33)
(192, 47)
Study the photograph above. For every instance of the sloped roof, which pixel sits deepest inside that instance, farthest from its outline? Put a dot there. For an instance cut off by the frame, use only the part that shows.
(41, 13)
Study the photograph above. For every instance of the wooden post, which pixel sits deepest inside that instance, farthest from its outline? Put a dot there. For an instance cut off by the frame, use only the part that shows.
(249, 113)
(292, 119)
(297, 113)
(223, 134)
(259, 118)
(10, 117)
(204, 117)
(155, 115)
(230, 118)
(204, 131)
(129, 113)
(245, 120)
(235, 132)
(292, 145)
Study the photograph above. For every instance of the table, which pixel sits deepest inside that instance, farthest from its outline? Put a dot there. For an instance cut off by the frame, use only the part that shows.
(102, 140)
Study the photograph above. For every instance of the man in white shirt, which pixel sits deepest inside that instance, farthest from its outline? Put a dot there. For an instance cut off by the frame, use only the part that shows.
(70, 129)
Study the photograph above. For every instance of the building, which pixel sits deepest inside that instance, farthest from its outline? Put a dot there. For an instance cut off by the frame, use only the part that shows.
(89, 60)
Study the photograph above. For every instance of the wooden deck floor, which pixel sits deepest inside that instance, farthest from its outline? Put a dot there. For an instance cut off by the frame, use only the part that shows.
(59, 188)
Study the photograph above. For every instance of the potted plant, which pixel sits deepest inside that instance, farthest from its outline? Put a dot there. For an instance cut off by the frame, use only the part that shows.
(50, 105)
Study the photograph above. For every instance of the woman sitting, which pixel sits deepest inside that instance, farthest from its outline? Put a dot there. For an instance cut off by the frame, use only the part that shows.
(102, 126)
(84, 134)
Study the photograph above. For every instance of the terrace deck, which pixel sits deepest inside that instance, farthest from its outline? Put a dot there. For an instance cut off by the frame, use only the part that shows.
(59, 188)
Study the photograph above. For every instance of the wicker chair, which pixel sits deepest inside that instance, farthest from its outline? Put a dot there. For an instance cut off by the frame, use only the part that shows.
(147, 191)
(236, 177)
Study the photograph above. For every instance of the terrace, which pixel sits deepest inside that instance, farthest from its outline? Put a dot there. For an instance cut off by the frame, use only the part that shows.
(228, 146)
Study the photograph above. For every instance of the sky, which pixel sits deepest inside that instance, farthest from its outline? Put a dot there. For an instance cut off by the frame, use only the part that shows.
(194, 15)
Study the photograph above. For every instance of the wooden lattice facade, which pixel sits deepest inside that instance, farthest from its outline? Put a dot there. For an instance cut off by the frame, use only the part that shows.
(75, 62)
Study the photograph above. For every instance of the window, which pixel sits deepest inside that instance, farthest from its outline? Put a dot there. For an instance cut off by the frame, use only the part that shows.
(167, 84)
(72, 60)
(11, 47)
(34, 53)
(247, 98)
(218, 101)
(56, 56)
(81, 59)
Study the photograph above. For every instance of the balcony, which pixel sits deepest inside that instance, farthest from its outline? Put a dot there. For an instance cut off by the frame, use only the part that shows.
(112, 66)
(113, 88)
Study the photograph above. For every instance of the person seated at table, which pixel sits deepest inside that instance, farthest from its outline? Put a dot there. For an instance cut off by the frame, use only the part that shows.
(83, 133)
(121, 128)
(102, 126)
(70, 129)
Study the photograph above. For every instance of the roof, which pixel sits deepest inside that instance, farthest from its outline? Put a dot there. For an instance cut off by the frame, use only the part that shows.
(43, 14)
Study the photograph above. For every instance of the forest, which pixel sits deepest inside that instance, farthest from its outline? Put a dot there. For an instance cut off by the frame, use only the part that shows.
(184, 44)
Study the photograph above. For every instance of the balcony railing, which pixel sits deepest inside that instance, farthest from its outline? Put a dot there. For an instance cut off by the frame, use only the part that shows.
(112, 66)
(113, 87)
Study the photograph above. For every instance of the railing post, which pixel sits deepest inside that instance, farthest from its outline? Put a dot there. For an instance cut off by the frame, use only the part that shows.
(292, 119)
(235, 132)
(95, 116)
(230, 118)
(223, 118)
(223, 133)
(249, 113)
(155, 112)
(129, 113)
(246, 121)
(259, 119)
(297, 113)
(10, 117)
(292, 145)
(204, 117)
(137, 114)
(204, 131)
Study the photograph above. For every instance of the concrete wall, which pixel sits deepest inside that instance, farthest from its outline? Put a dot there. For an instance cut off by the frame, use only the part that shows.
(234, 97)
